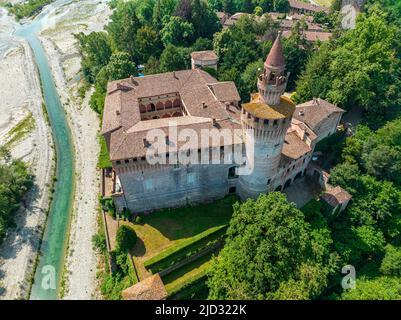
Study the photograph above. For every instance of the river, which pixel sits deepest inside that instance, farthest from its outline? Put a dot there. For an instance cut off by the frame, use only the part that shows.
(47, 280)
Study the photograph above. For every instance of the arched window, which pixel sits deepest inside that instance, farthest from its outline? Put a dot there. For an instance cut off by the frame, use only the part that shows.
(177, 103)
(142, 108)
(168, 104)
(159, 106)
(151, 107)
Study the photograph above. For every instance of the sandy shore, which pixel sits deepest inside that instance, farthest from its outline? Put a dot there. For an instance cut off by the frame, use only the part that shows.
(21, 97)
(61, 48)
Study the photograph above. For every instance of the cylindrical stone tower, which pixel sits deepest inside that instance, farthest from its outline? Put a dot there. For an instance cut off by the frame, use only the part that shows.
(265, 121)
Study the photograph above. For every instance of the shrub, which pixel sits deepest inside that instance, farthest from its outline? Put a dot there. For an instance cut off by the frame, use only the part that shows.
(99, 242)
(391, 263)
(126, 238)
(138, 219)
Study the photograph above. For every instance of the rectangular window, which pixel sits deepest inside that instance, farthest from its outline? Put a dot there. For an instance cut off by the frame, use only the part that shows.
(191, 178)
(148, 184)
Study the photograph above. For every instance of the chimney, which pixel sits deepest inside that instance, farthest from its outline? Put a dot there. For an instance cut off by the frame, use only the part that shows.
(315, 100)
(118, 112)
(301, 112)
(204, 106)
(174, 76)
(214, 121)
(227, 106)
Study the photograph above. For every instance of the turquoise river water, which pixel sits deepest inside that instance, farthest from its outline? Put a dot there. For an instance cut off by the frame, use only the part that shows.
(52, 252)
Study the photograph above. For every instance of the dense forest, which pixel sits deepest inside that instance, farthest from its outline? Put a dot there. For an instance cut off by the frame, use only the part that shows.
(15, 181)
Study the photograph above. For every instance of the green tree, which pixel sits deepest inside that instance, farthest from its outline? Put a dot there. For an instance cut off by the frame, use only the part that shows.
(120, 66)
(249, 79)
(281, 5)
(152, 66)
(177, 31)
(161, 9)
(15, 182)
(96, 52)
(267, 242)
(391, 263)
(148, 43)
(174, 58)
(381, 288)
(125, 238)
(204, 19)
(123, 28)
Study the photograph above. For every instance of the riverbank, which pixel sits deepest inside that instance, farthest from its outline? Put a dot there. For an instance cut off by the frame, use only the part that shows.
(22, 99)
(79, 280)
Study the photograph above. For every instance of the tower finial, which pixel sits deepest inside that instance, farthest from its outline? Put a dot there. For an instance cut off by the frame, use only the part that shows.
(275, 58)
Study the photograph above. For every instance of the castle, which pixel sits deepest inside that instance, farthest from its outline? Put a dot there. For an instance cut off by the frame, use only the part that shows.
(275, 137)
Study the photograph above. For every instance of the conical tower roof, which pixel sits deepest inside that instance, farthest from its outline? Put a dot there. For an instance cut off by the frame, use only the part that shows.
(275, 58)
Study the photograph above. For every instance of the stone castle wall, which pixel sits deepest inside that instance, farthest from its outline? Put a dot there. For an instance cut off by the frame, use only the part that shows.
(154, 187)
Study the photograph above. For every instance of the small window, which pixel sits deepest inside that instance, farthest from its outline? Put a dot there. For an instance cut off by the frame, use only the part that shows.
(126, 161)
(269, 180)
(266, 122)
(232, 173)
(118, 162)
(275, 122)
(148, 185)
(232, 190)
(191, 178)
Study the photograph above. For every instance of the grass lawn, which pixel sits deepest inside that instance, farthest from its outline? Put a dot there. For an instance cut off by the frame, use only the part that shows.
(166, 228)
(104, 159)
(325, 3)
(177, 279)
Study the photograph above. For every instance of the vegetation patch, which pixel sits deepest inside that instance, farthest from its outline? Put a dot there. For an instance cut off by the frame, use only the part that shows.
(15, 182)
(185, 249)
(104, 158)
(185, 277)
(29, 8)
(21, 130)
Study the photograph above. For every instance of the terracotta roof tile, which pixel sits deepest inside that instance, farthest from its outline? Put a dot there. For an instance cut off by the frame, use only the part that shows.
(307, 6)
(204, 55)
(151, 288)
(225, 91)
(336, 196)
(314, 111)
(294, 147)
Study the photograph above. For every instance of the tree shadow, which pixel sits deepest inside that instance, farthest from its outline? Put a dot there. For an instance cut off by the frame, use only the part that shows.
(139, 249)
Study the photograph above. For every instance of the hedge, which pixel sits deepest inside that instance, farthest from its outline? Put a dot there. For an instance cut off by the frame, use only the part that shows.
(201, 276)
(185, 249)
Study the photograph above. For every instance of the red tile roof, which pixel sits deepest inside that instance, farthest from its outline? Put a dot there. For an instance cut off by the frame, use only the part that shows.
(336, 196)
(151, 288)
